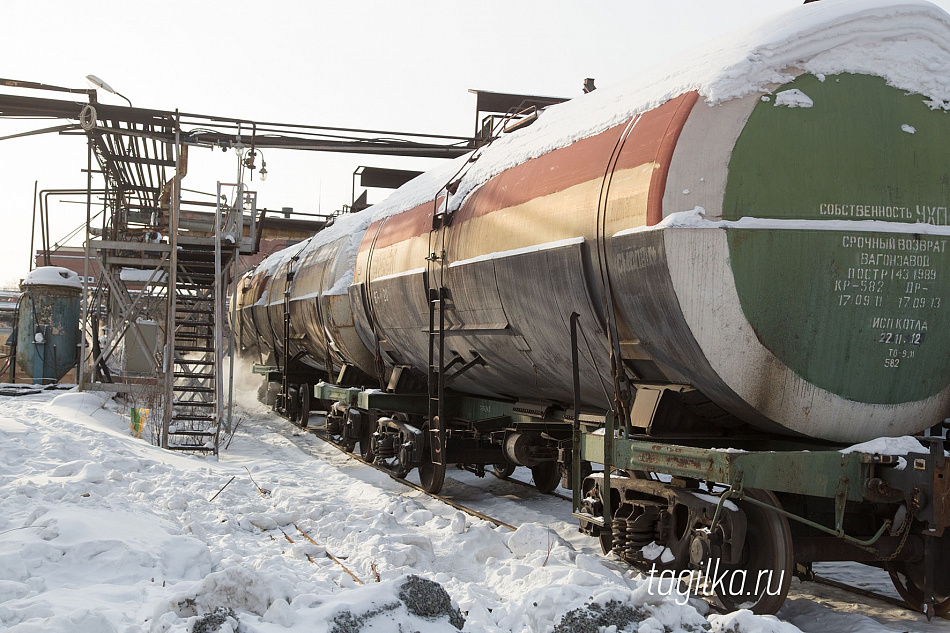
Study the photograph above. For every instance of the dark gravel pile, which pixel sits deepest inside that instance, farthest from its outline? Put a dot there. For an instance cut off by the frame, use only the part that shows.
(428, 599)
(211, 622)
(594, 617)
(423, 598)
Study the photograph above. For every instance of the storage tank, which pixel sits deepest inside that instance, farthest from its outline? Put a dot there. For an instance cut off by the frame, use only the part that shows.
(48, 323)
(765, 223)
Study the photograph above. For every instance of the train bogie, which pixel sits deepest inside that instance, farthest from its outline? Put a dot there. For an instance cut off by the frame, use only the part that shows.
(392, 431)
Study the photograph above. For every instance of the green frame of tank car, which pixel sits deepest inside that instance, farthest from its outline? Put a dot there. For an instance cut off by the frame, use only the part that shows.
(786, 466)
(827, 474)
(780, 465)
(817, 474)
(469, 408)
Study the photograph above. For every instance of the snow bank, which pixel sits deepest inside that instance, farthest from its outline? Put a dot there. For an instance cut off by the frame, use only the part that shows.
(100, 532)
(409, 603)
(747, 622)
(530, 538)
(234, 588)
(87, 407)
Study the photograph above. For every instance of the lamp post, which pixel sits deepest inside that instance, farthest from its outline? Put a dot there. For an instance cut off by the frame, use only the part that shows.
(249, 163)
(95, 82)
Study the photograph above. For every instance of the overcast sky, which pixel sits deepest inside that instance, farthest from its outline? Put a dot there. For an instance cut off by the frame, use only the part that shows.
(380, 64)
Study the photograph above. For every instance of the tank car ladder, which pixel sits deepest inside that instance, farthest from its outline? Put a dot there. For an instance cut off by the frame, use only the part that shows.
(432, 475)
(287, 401)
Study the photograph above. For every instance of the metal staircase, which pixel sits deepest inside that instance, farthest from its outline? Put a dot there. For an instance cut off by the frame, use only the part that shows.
(158, 338)
(194, 386)
(196, 358)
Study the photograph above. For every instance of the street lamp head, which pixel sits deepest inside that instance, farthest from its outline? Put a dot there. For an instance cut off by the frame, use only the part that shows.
(95, 82)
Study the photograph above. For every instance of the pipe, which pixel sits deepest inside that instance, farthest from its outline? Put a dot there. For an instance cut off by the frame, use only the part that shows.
(49, 239)
(44, 195)
(36, 184)
(829, 548)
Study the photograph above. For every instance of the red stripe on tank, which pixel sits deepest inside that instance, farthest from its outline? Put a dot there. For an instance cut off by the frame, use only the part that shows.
(401, 227)
(652, 140)
(664, 155)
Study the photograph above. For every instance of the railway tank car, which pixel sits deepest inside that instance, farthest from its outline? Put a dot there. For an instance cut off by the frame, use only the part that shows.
(750, 250)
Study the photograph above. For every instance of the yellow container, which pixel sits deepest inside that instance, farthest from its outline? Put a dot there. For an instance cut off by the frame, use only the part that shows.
(139, 420)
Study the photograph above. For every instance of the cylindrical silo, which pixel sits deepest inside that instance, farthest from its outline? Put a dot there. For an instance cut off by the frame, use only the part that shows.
(48, 323)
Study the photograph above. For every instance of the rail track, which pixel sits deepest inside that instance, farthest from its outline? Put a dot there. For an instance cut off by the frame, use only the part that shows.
(869, 593)
(822, 580)
(458, 506)
(527, 485)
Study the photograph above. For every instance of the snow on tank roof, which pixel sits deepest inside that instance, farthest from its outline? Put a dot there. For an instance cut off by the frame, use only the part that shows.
(905, 42)
(52, 276)
(418, 191)
(695, 218)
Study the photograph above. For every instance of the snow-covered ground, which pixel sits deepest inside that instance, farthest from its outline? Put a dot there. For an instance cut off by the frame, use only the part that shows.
(101, 532)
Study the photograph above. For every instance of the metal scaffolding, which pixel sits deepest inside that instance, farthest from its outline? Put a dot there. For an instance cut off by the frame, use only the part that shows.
(154, 321)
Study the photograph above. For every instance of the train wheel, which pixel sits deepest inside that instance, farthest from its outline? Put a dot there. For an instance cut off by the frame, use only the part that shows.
(546, 476)
(431, 474)
(910, 587)
(432, 477)
(503, 470)
(761, 579)
(366, 442)
(908, 578)
(303, 413)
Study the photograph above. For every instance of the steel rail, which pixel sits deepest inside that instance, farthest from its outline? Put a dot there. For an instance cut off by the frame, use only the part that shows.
(870, 593)
(458, 506)
(528, 485)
